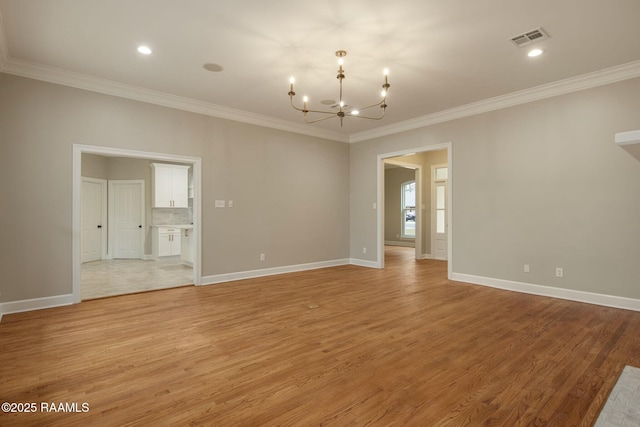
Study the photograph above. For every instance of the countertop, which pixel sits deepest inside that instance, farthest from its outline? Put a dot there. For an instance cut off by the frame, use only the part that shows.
(180, 226)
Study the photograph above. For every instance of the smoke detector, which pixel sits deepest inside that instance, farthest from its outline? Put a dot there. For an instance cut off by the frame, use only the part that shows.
(530, 37)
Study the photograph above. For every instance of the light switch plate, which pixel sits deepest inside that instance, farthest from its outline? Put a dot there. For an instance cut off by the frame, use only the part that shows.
(220, 204)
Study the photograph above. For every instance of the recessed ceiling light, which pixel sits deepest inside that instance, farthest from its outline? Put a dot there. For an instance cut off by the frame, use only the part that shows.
(144, 50)
(214, 68)
(534, 52)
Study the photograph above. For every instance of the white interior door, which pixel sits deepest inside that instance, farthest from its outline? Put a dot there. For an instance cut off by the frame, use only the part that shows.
(127, 205)
(440, 226)
(441, 221)
(93, 218)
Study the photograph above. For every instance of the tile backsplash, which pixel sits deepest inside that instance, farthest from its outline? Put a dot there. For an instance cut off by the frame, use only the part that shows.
(172, 216)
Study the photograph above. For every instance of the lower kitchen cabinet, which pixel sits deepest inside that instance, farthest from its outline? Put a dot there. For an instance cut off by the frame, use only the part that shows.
(166, 241)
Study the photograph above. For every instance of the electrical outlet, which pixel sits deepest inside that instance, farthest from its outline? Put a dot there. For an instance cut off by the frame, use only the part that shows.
(526, 268)
(559, 272)
(364, 250)
(262, 257)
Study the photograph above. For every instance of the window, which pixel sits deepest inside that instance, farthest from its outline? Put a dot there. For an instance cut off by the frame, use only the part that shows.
(409, 209)
(441, 173)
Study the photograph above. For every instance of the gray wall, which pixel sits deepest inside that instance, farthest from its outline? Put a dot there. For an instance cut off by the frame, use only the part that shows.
(94, 166)
(541, 183)
(291, 192)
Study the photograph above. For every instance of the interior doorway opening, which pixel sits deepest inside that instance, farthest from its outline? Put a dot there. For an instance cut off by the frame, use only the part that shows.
(134, 268)
(432, 224)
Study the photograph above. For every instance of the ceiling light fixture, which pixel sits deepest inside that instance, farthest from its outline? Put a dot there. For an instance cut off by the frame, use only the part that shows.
(354, 112)
(534, 52)
(144, 50)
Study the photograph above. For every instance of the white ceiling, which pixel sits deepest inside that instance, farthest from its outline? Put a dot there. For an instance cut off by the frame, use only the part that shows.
(442, 55)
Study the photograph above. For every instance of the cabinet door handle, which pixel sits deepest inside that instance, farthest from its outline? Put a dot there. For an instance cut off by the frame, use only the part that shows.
(140, 226)
(99, 226)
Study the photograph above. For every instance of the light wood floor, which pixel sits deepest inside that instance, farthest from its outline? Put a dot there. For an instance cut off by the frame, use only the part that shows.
(400, 346)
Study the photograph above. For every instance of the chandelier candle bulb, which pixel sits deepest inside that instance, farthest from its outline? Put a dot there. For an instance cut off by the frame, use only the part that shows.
(292, 80)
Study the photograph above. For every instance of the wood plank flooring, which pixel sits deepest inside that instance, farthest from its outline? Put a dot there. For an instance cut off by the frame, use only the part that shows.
(399, 346)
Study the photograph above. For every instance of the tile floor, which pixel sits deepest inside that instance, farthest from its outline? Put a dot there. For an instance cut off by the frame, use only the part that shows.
(622, 409)
(124, 276)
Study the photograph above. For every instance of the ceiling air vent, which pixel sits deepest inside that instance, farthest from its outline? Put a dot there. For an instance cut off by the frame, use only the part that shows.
(529, 37)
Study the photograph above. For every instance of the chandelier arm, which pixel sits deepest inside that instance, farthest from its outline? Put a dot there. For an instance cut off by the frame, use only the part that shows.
(322, 112)
(359, 116)
(294, 107)
(372, 105)
(319, 120)
(368, 118)
(312, 111)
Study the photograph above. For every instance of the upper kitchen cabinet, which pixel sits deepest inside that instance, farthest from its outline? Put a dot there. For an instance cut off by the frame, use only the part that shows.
(170, 185)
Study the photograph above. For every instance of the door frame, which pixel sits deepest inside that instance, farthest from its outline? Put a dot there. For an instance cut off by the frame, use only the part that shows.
(380, 199)
(103, 215)
(112, 235)
(76, 226)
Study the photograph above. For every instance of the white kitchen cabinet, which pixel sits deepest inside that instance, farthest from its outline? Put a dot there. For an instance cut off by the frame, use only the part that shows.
(166, 241)
(170, 186)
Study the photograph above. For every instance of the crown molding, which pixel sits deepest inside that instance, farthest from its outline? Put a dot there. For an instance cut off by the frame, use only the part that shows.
(110, 87)
(560, 87)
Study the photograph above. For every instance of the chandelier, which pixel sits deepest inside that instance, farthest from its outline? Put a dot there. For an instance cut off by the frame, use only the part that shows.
(343, 109)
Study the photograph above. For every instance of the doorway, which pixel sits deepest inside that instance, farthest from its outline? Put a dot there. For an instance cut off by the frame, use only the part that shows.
(130, 242)
(426, 157)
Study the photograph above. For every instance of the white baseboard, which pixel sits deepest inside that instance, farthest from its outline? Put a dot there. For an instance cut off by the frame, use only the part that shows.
(425, 256)
(364, 263)
(147, 257)
(548, 291)
(399, 243)
(251, 274)
(35, 304)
